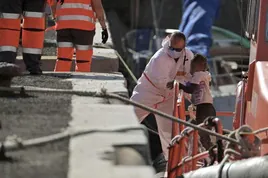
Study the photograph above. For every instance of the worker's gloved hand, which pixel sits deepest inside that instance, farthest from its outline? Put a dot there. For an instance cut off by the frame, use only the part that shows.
(170, 85)
(60, 1)
(104, 35)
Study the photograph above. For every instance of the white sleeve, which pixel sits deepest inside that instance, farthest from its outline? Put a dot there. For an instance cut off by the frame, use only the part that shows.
(196, 79)
(187, 75)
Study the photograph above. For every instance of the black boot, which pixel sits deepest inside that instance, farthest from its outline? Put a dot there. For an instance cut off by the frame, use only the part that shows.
(7, 72)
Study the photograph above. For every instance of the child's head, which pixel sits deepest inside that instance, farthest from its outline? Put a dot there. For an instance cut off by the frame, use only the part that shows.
(199, 63)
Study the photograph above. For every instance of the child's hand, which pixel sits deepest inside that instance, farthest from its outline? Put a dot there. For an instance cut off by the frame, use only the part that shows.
(170, 85)
(187, 83)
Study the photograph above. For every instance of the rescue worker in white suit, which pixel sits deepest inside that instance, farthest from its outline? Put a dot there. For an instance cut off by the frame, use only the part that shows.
(155, 87)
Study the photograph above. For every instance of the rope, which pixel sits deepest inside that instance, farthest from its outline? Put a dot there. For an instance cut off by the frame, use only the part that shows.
(105, 94)
(120, 58)
(261, 130)
(15, 143)
(245, 148)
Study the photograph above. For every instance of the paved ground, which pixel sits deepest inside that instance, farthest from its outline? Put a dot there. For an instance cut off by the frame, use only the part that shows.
(98, 154)
(35, 116)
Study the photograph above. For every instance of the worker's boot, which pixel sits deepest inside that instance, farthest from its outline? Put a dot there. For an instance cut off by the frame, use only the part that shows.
(7, 72)
(32, 63)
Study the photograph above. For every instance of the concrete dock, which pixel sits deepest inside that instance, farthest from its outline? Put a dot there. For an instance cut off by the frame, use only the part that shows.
(100, 154)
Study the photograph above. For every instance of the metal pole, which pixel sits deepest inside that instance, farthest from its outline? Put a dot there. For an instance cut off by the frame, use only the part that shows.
(158, 42)
(242, 103)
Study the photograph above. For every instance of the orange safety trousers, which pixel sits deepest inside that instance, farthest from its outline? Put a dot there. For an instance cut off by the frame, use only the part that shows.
(11, 14)
(82, 41)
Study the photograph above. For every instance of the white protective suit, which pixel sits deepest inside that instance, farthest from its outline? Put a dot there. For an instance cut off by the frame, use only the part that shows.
(151, 88)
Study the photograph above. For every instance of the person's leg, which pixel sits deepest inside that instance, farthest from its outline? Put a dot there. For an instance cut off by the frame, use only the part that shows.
(202, 112)
(65, 51)
(10, 19)
(154, 140)
(84, 51)
(139, 97)
(165, 125)
(142, 95)
(33, 34)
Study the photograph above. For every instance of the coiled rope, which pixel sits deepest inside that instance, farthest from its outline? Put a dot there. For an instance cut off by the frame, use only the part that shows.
(244, 149)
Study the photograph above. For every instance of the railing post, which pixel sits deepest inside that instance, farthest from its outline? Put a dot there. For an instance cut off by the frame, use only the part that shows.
(174, 149)
(195, 149)
(181, 106)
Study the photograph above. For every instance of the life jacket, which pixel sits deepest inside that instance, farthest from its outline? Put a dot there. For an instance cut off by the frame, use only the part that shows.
(75, 14)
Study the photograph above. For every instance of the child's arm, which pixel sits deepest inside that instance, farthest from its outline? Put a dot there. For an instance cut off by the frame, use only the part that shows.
(189, 87)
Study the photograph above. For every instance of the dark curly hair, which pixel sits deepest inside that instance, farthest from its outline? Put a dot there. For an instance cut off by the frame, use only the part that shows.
(200, 59)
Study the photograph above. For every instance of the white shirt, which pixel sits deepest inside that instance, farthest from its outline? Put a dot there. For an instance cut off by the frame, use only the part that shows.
(162, 69)
(202, 94)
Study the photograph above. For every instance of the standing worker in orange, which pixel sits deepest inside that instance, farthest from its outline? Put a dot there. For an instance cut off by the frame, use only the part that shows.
(76, 29)
(11, 12)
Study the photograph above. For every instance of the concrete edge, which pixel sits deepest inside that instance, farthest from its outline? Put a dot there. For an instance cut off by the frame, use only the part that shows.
(87, 152)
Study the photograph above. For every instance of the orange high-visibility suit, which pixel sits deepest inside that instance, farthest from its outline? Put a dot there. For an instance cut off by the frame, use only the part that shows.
(11, 13)
(75, 29)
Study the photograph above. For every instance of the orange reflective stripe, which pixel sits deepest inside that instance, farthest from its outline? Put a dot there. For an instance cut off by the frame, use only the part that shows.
(32, 39)
(62, 66)
(83, 58)
(181, 73)
(65, 55)
(35, 23)
(145, 75)
(10, 23)
(9, 38)
(62, 12)
(76, 15)
(84, 55)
